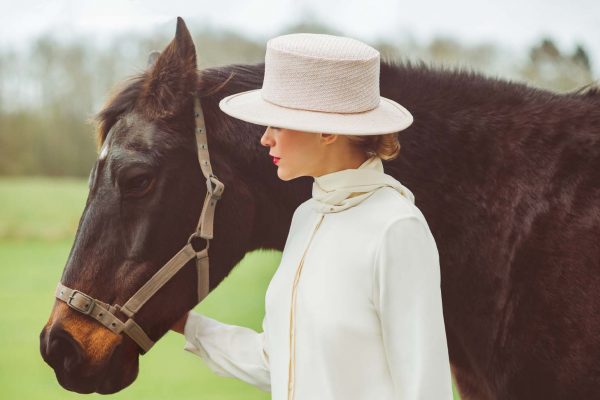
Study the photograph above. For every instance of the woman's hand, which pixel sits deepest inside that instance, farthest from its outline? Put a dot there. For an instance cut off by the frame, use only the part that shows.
(180, 324)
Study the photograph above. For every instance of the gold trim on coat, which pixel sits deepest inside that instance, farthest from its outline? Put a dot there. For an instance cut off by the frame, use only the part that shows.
(292, 364)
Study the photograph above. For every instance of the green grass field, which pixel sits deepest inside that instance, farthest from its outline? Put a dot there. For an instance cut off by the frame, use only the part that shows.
(38, 219)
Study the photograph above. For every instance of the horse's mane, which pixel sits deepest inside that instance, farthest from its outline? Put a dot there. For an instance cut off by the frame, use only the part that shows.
(592, 89)
(466, 86)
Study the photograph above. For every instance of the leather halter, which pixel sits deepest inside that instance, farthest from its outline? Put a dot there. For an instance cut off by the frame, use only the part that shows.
(105, 313)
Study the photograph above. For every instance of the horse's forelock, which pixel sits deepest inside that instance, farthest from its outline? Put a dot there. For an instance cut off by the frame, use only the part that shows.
(121, 102)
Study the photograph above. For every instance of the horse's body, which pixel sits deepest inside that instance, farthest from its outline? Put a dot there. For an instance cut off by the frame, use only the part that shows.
(508, 177)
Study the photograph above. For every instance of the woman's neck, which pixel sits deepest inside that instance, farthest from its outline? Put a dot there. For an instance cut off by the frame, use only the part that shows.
(349, 159)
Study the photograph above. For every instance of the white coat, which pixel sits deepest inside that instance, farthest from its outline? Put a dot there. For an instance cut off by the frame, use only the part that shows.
(367, 323)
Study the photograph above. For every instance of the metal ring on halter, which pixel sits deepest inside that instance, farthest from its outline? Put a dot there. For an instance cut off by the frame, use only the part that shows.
(197, 235)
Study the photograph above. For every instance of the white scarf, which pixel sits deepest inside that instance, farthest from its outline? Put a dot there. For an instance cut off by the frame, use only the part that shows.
(346, 188)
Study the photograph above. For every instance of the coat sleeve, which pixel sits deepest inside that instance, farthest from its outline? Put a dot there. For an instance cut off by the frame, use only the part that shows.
(407, 297)
(230, 350)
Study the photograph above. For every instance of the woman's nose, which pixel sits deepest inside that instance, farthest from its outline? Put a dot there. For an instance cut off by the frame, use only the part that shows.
(266, 139)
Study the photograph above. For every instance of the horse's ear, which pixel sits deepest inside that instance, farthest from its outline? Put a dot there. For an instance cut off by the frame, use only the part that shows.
(171, 78)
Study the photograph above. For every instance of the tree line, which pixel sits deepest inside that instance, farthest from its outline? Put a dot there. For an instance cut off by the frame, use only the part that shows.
(50, 91)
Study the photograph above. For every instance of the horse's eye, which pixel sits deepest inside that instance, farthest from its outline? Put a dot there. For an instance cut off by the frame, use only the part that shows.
(138, 185)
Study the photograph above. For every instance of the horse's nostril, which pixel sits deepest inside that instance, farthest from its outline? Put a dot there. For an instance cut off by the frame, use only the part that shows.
(62, 351)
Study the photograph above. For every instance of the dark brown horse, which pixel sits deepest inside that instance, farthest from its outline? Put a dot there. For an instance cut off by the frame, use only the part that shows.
(507, 175)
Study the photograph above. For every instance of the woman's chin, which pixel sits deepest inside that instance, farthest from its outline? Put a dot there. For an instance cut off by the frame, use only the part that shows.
(281, 173)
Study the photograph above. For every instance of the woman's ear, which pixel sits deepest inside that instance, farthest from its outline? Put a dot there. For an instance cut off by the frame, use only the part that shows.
(327, 138)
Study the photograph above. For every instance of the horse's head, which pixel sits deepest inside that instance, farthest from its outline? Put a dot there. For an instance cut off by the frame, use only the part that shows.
(146, 193)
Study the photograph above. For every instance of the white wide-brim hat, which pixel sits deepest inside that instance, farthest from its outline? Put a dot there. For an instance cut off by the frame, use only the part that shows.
(320, 83)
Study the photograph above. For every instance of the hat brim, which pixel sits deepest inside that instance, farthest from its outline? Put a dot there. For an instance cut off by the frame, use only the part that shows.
(249, 106)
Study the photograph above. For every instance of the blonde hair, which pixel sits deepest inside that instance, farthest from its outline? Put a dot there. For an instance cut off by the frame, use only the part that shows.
(386, 146)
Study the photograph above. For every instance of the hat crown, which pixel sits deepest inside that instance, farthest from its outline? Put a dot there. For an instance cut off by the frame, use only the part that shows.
(320, 72)
(321, 45)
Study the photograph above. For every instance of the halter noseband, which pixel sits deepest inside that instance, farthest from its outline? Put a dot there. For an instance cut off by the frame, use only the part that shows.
(105, 313)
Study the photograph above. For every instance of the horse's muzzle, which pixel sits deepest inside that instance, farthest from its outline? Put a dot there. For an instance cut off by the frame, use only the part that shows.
(66, 357)
(75, 371)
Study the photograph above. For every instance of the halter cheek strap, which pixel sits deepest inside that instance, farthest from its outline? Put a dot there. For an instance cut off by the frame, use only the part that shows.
(106, 313)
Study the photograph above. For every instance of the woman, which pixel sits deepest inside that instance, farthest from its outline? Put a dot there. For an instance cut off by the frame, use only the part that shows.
(354, 310)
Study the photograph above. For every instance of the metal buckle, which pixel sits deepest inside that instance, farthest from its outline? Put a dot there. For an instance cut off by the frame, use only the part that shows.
(84, 310)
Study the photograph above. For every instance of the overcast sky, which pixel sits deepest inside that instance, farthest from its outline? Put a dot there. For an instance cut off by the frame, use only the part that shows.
(515, 24)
